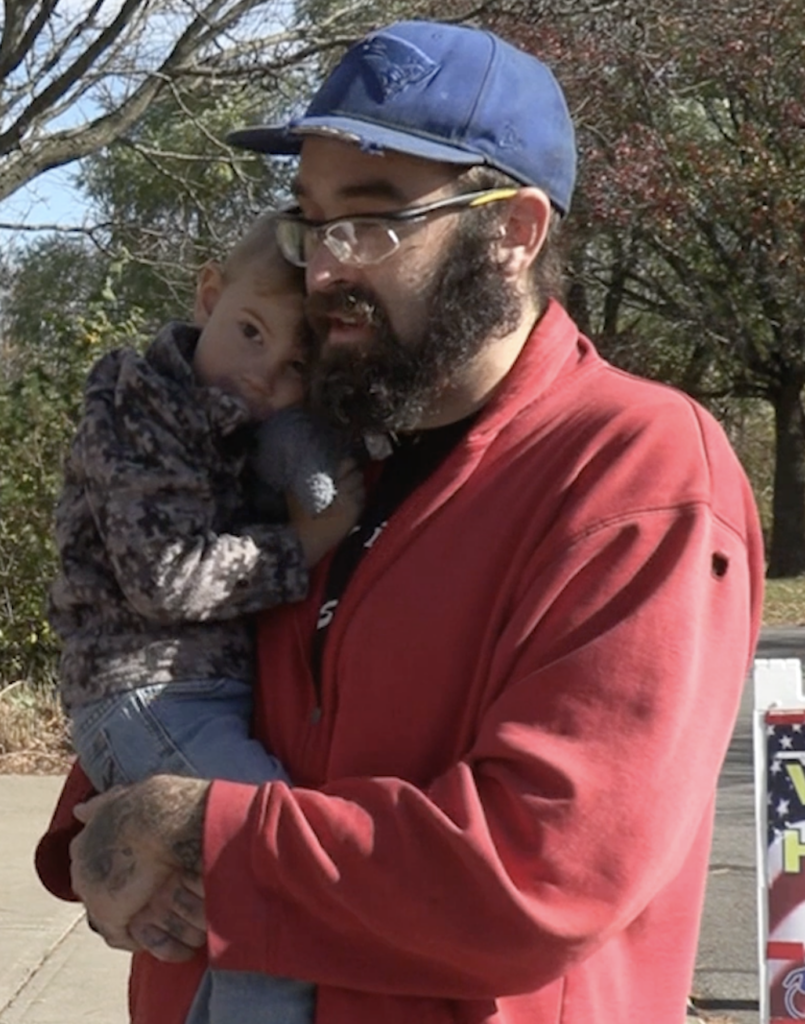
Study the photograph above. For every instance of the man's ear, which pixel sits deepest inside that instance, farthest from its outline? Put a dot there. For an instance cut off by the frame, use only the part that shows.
(209, 285)
(523, 231)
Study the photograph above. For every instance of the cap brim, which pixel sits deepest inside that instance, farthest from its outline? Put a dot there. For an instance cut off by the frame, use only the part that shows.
(266, 139)
(287, 139)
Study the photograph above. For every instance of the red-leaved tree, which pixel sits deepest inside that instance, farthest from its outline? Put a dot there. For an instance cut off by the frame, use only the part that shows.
(689, 252)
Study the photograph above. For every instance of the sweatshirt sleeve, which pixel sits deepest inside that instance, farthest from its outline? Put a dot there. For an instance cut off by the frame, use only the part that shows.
(52, 856)
(154, 505)
(621, 670)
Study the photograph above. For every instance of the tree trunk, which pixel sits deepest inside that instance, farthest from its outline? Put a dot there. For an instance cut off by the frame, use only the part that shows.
(787, 548)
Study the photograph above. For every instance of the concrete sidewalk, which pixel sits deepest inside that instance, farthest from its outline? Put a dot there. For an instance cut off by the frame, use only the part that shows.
(53, 970)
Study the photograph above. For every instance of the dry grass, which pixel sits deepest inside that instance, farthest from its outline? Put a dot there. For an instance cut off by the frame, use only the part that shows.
(784, 604)
(33, 733)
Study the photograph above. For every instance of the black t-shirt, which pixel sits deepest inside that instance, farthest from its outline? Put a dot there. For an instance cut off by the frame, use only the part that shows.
(414, 457)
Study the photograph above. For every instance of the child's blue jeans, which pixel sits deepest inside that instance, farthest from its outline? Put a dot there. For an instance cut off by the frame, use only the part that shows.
(198, 728)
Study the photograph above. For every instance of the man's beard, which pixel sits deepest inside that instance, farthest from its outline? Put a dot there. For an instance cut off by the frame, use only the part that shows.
(390, 384)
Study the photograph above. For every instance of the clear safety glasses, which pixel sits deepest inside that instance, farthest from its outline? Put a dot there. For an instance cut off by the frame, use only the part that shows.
(365, 239)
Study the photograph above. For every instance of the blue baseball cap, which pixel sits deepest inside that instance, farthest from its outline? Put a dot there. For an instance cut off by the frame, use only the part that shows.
(441, 92)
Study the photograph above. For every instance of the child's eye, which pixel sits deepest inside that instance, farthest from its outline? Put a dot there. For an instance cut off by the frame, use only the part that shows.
(299, 367)
(251, 332)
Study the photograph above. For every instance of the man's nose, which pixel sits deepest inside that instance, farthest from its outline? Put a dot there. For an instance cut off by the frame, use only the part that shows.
(324, 269)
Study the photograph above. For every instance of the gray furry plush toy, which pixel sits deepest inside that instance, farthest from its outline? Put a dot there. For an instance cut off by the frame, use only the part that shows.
(295, 452)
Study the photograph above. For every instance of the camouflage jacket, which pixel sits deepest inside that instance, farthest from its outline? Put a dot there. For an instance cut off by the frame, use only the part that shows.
(160, 564)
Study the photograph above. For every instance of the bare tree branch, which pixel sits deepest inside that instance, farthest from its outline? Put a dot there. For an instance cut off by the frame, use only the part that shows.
(74, 78)
(17, 40)
(59, 86)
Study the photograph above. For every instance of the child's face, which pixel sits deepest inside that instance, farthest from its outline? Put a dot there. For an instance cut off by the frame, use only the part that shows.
(251, 342)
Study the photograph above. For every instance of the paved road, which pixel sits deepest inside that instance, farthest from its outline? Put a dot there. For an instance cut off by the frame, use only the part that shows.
(782, 642)
(726, 981)
(53, 970)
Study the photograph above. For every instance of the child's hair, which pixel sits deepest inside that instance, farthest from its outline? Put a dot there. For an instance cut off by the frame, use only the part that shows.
(258, 250)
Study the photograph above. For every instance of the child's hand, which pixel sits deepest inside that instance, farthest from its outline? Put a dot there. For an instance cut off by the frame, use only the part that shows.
(318, 534)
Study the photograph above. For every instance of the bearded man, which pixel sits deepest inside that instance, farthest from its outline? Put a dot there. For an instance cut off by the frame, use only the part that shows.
(506, 701)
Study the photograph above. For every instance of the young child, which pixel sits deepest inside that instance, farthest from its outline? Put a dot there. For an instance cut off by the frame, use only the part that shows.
(162, 563)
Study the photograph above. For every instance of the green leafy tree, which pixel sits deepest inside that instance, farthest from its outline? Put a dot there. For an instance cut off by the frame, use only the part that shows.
(67, 298)
(61, 303)
(171, 195)
(165, 197)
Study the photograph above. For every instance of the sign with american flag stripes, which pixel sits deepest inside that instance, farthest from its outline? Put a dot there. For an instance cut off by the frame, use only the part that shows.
(780, 812)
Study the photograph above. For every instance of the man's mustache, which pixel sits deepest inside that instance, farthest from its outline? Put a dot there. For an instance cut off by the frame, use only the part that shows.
(341, 300)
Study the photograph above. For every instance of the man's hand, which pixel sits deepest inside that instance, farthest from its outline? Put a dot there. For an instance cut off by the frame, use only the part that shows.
(137, 865)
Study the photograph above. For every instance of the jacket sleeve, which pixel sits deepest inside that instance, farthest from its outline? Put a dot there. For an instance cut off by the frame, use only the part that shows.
(593, 768)
(153, 502)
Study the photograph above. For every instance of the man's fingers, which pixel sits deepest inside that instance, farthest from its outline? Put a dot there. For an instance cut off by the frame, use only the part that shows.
(195, 883)
(189, 903)
(161, 945)
(170, 938)
(117, 940)
(173, 924)
(86, 811)
(171, 927)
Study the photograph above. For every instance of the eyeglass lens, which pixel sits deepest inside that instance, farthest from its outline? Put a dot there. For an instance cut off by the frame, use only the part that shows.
(351, 242)
(364, 240)
(359, 242)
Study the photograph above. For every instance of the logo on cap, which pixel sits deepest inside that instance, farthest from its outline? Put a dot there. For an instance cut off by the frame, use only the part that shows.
(509, 138)
(396, 64)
